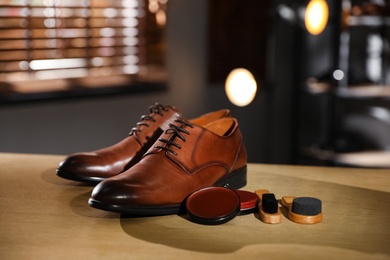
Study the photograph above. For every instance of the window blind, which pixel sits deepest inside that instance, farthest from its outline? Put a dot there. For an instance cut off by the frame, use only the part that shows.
(82, 42)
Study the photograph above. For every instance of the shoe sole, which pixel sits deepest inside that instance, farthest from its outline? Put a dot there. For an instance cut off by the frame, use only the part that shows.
(84, 179)
(234, 180)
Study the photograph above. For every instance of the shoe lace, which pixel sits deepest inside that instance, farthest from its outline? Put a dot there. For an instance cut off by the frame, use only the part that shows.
(154, 109)
(177, 132)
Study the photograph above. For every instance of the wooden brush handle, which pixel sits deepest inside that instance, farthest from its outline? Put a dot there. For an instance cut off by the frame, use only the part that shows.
(260, 193)
(287, 202)
(266, 217)
(270, 218)
(303, 219)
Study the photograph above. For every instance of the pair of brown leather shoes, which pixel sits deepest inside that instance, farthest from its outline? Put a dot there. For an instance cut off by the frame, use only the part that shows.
(163, 160)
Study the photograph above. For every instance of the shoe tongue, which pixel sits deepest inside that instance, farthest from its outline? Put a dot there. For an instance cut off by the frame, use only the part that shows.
(171, 120)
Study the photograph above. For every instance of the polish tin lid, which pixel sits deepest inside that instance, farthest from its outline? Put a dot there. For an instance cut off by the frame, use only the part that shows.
(248, 201)
(213, 205)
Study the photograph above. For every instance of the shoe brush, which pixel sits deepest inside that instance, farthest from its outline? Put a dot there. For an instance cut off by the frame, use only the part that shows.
(268, 207)
(303, 210)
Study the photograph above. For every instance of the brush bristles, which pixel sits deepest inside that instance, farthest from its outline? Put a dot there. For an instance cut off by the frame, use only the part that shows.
(269, 203)
(306, 206)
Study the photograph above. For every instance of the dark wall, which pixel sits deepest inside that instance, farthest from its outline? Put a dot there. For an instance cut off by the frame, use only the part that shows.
(69, 126)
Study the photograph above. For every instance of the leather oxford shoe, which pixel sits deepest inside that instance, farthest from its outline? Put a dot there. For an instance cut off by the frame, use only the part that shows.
(186, 158)
(93, 167)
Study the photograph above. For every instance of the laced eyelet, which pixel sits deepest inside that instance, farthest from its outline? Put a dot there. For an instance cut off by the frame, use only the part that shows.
(176, 131)
(155, 109)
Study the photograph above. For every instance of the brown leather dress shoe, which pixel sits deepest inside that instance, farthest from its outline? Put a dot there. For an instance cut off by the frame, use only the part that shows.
(186, 158)
(93, 167)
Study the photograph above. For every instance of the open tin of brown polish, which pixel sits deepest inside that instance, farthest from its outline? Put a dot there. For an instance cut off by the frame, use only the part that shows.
(213, 205)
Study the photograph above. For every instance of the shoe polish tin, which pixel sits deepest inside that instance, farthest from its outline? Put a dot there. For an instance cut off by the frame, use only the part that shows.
(248, 202)
(213, 205)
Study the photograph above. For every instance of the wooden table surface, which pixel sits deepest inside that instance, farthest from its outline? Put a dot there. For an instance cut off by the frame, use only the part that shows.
(45, 217)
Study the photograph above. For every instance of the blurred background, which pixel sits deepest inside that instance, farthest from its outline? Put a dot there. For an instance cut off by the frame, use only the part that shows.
(312, 76)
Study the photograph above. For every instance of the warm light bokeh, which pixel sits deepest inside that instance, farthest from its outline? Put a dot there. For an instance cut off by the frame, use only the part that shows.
(316, 16)
(240, 87)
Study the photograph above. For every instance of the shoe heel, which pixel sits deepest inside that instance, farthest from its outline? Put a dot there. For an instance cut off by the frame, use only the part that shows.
(234, 180)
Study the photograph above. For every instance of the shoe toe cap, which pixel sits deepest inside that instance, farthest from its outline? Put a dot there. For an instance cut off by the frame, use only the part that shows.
(84, 164)
(112, 192)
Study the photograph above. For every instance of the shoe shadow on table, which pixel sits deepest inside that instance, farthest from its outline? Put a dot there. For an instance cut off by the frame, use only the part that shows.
(79, 205)
(176, 231)
(50, 176)
(179, 231)
(73, 194)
